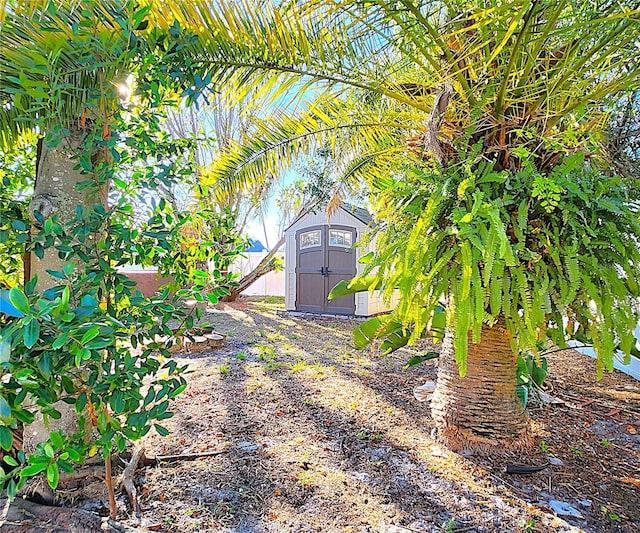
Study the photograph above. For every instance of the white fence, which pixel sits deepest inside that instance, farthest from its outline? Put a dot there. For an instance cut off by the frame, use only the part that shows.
(271, 284)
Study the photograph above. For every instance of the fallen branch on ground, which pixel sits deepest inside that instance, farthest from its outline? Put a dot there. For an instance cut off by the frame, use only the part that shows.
(81, 474)
(150, 461)
(26, 516)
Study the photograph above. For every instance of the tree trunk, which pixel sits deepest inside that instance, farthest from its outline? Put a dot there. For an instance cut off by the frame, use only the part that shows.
(55, 193)
(264, 267)
(480, 411)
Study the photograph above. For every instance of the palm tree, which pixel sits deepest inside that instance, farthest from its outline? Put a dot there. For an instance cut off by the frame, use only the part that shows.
(479, 126)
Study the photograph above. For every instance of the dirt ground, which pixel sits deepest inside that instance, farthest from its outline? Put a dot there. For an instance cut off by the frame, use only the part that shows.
(314, 436)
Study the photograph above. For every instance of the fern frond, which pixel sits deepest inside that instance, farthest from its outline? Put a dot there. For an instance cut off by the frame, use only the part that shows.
(478, 297)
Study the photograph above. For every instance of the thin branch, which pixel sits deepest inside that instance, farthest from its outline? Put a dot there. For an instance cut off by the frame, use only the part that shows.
(157, 459)
(108, 478)
(127, 479)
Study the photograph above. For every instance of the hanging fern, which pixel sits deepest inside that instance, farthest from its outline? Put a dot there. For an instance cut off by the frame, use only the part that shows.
(479, 241)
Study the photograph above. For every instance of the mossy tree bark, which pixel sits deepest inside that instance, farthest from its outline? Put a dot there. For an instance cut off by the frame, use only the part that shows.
(480, 410)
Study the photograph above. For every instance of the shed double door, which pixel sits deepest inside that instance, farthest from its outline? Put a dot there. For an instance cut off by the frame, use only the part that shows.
(325, 256)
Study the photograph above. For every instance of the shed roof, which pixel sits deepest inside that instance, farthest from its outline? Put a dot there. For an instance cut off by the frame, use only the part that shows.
(359, 213)
(255, 246)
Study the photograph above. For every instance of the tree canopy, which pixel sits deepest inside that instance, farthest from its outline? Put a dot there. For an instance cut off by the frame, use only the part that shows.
(481, 128)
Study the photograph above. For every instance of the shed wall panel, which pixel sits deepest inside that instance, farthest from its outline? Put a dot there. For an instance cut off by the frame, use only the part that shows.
(376, 304)
(290, 271)
(339, 218)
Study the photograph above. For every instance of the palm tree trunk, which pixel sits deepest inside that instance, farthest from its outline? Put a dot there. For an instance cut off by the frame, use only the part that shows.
(480, 411)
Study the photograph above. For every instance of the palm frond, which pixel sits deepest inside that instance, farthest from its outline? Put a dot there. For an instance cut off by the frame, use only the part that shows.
(274, 143)
(57, 58)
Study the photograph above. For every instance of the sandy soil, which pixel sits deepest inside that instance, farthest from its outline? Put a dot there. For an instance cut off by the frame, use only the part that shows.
(314, 436)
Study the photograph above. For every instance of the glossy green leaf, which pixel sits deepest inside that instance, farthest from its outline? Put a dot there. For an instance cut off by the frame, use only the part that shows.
(179, 390)
(117, 402)
(99, 344)
(539, 373)
(48, 450)
(64, 299)
(19, 300)
(56, 439)
(60, 341)
(12, 489)
(346, 288)
(394, 342)
(6, 438)
(34, 469)
(420, 359)
(149, 397)
(10, 460)
(162, 431)
(31, 333)
(90, 334)
(81, 402)
(53, 475)
(374, 328)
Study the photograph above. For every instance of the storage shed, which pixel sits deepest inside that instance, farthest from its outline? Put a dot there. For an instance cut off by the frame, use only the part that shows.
(319, 253)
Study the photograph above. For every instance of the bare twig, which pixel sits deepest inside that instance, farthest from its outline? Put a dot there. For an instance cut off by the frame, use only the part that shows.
(96, 471)
(108, 479)
(127, 479)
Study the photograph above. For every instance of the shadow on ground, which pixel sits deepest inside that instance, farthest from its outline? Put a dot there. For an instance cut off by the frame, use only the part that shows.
(317, 437)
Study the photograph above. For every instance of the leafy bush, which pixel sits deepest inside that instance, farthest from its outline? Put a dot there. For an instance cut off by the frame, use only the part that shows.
(92, 340)
(71, 345)
(17, 170)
